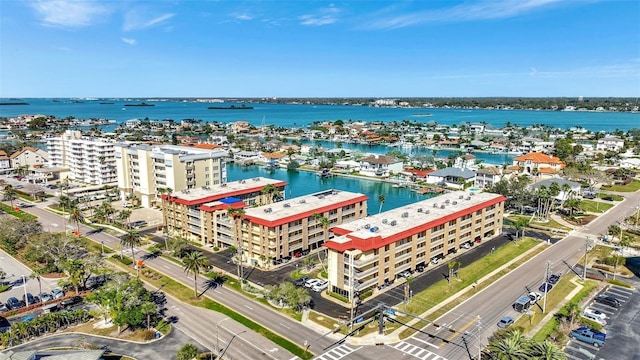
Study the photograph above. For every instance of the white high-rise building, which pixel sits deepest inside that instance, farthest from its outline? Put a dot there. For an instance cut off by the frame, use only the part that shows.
(89, 160)
(146, 171)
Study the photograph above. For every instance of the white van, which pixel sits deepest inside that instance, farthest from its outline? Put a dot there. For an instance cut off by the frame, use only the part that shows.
(594, 318)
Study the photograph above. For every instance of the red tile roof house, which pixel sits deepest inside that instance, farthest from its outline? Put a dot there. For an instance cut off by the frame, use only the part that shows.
(545, 164)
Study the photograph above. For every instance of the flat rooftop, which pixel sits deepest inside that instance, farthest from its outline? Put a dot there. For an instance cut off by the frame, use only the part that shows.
(408, 217)
(207, 194)
(302, 207)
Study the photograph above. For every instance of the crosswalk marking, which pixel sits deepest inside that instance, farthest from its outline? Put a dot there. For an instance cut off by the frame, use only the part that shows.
(337, 353)
(416, 351)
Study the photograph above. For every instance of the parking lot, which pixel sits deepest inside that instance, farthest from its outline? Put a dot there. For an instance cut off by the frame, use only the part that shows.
(14, 274)
(616, 328)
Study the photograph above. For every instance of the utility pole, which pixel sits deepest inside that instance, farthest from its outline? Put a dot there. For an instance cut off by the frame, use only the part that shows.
(546, 289)
(586, 251)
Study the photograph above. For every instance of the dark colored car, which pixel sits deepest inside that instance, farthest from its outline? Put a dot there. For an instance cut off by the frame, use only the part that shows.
(70, 301)
(30, 298)
(545, 287)
(608, 300)
(14, 303)
(553, 279)
(607, 198)
(301, 281)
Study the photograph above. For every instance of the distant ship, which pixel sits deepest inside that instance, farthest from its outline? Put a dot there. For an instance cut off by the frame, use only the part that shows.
(107, 103)
(232, 107)
(140, 104)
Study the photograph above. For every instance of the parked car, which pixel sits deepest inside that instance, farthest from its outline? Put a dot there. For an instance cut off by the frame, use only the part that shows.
(465, 245)
(420, 268)
(553, 279)
(435, 260)
(596, 313)
(28, 299)
(139, 224)
(301, 281)
(545, 287)
(534, 296)
(321, 285)
(607, 198)
(310, 282)
(608, 300)
(405, 274)
(13, 303)
(57, 293)
(587, 335)
(505, 322)
(126, 204)
(3, 308)
(45, 296)
(594, 318)
(70, 301)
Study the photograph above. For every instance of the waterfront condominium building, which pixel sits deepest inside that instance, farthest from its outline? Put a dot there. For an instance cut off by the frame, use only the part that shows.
(146, 171)
(200, 214)
(89, 160)
(370, 252)
(296, 226)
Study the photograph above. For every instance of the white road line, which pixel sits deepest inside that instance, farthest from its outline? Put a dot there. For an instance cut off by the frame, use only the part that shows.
(248, 307)
(426, 342)
(285, 326)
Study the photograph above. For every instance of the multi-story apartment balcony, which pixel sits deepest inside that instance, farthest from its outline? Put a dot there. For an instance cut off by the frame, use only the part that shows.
(363, 273)
(362, 261)
(190, 167)
(405, 246)
(193, 220)
(194, 212)
(194, 229)
(403, 257)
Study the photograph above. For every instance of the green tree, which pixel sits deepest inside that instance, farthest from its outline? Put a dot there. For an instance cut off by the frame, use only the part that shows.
(381, 200)
(194, 262)
(237, 215)
(187, 352)
(10, 194)
(132, 239)
(76, 215)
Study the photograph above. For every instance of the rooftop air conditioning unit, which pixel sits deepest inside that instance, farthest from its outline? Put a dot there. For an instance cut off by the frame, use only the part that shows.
(384, 221)
(427, 212)
(435, 205)
(442, 206)
(419, 209)
(461, 197)
(303, 201)
(366, 226)
(286, 205)
(468, 197)
(447, 201)
(455, 203)
(320, 196)
(393, 223)
(405, 214)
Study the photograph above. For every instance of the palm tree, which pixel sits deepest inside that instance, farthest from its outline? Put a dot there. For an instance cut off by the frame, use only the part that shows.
(451, 265)
(10, 194)
(546, 350)
(510, 346)
(325, 222)
(238, 215)
(76, 216)
(37, 274)
(132, 238)
(193, 263)
(381, 199)
(148, 308)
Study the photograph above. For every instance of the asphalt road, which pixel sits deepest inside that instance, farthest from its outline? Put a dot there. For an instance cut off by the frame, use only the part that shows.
(480, 313)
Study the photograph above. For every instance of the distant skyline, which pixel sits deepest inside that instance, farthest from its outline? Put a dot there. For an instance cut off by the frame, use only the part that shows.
(218, 48)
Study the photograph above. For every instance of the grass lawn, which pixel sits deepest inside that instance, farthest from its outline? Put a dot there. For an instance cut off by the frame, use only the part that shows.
(185, 294)
(594, 206)
(630, 187)
(19, 214)
(552, 325)
(441, 291)
(552, 224)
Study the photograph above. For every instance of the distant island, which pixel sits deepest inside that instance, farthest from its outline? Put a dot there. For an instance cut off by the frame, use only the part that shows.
(14, 103)
(109, 103)
(232, 107)
(140, 104)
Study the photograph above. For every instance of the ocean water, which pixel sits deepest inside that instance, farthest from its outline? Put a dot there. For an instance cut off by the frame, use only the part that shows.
(289, 115)
(305, 182)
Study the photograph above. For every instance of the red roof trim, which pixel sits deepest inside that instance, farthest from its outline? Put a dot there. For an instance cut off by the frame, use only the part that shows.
(219, 196)
(378, 242)
(206, 208)
(306, 214)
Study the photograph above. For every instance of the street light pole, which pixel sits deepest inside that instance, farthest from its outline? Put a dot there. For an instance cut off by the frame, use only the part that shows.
(584, 268)
(218, 337)
(102, 243)
(24, 285)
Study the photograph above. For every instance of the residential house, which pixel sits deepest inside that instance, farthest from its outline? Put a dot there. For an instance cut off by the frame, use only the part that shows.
(540, 163)
(30, 157)
(451, 177)
(380, 165)
(610, 143)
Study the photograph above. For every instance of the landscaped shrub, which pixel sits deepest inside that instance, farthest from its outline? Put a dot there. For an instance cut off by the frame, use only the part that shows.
(125, 260)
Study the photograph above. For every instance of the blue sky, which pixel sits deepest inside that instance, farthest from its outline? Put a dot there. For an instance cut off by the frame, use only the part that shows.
(208, 48)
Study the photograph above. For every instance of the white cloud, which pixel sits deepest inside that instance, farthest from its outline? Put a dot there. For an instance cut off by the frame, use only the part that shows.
(244, 17)
(136, 20)
(477, 11)
(324, 16)
(68, 13)
(129, 41)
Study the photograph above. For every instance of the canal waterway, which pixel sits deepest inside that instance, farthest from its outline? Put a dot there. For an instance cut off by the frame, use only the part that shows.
(306, 182)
